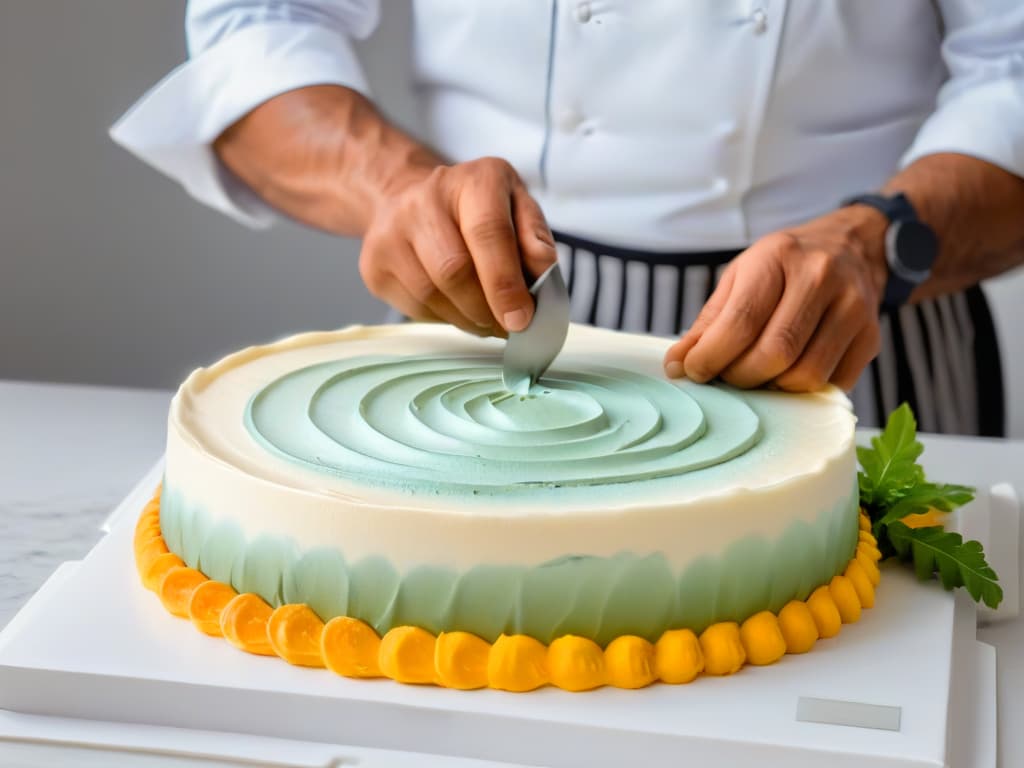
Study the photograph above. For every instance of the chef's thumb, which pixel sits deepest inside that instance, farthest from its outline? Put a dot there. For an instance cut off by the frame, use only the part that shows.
(536, 244)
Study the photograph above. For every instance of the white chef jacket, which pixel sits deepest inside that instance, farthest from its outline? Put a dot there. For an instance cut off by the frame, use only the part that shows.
(656, 124)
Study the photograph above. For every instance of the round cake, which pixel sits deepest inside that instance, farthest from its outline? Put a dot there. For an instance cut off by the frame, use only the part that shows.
(374, 501)
(385, 475)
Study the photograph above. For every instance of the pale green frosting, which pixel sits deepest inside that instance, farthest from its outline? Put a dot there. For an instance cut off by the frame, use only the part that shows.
(447, 425)
(596, 597)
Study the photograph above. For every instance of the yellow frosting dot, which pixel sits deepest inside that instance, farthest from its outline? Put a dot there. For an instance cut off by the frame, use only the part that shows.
(176, 588)
(407, 655)
(723, 651)
(861, 584)
(864, 522)
(845, 597)
(867, 538)
(870, 568)
(629, 662)
(243, 622)
(461, 660)
(678, 657)
(869, 551)
(154, 570)
(146, 554)
(206, 604)
(148, 548)
(150, 516)
(350, 647)
(148, 521)
(517, 663)
(798, 627)
(146, 536)
(762, 639)
(294, 632)
(575, 663)
(825, 613)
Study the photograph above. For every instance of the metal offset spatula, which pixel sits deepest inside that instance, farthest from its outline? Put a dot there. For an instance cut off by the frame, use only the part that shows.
(529, 352)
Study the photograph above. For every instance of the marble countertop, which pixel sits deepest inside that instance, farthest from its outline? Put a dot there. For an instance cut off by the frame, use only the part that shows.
(69, 454)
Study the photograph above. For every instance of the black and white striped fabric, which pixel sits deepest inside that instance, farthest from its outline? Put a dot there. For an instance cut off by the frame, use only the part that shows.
(940, 356)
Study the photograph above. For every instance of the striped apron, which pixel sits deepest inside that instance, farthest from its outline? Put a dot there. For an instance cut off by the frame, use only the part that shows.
(940, 356)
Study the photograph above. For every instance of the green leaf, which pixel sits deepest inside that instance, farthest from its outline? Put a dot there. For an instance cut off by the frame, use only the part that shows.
(892, 486)
(959, 563)
(890, 465)
(924, 496)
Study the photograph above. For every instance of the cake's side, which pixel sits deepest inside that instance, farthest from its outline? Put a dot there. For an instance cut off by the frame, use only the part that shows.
(410, 654)
(595, 596)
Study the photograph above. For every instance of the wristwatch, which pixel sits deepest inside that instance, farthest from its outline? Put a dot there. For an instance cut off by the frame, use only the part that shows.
(910, 246)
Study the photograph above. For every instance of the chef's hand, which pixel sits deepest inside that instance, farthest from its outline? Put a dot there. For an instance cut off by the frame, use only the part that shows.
(450, 243)
(797, 309)
(440, 242)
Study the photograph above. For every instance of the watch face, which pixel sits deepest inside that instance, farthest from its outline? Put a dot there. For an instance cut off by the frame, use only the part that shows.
(915, 248)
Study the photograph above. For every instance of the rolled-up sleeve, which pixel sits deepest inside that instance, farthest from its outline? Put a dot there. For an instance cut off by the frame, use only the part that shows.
(980, 108)
(241, 53)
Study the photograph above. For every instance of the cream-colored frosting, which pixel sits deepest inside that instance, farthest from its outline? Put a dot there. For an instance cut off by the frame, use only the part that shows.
(802, 465)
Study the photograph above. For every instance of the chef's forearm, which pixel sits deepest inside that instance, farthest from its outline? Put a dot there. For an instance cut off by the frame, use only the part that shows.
(322, 154)
(977, 211)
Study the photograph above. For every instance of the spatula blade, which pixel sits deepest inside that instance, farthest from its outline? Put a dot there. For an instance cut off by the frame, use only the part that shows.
(529, 352)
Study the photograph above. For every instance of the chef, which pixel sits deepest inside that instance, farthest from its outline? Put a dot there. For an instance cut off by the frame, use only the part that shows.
(807, 191)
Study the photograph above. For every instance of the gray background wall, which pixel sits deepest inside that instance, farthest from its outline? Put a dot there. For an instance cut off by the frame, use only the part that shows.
(110, 274)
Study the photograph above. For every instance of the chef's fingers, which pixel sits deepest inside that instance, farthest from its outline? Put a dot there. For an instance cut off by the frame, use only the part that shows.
(536, 245)
(484, 212)
(862, 351)
(414, 281)
(446, 260)
(807, 294)
(403, 301)
(756, 290)
(839, 326)
(675, 355)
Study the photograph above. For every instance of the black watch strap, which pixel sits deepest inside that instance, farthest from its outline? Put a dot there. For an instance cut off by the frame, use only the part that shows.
(899, 210)
(897, 291)
(895, 208)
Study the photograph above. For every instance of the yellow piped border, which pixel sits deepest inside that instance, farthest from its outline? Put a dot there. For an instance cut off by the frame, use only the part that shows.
(352, 648)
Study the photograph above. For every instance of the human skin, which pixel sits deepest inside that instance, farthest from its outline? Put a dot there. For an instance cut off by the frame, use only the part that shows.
(441, 242)
(451, 242)
(799, 308)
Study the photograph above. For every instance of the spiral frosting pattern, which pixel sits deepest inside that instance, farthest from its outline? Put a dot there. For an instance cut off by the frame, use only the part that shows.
(430, 424)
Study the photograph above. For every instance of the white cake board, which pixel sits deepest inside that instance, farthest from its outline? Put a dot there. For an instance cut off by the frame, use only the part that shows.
(93, 645)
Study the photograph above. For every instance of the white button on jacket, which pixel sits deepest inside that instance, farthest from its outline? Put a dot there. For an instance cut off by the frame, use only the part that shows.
(657, 124)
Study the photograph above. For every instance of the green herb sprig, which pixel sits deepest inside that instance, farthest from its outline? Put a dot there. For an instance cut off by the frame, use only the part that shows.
(893, 486)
